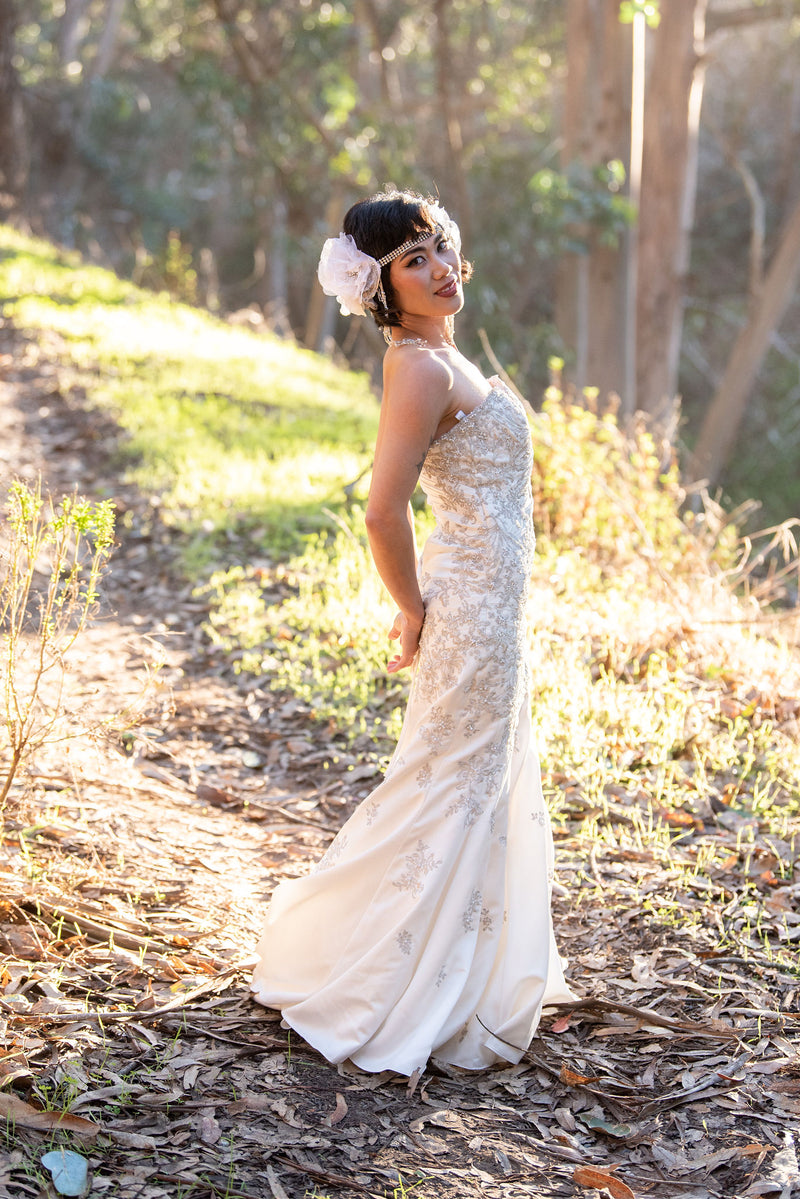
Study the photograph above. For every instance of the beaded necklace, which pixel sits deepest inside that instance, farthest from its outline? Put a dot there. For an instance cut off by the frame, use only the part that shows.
(421, 342)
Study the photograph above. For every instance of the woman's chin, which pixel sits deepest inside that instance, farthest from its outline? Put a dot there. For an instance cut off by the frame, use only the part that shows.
(450, 305)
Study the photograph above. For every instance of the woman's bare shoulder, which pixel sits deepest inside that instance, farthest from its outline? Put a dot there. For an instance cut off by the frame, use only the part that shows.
(410, 372)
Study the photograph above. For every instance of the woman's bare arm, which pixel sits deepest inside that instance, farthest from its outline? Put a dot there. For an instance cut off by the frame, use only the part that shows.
(415, 399)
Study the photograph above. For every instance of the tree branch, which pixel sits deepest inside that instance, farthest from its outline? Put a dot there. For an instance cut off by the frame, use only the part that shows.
(725, 412)
(779, 10)
(757, 209)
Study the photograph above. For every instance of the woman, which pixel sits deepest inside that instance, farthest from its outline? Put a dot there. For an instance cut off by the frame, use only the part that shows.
(425, 929)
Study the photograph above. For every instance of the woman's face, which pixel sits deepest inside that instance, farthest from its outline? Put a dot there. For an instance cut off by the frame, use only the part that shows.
(427, 279)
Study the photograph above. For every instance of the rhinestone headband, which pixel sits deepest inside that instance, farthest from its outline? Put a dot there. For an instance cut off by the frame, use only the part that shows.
(407, 245)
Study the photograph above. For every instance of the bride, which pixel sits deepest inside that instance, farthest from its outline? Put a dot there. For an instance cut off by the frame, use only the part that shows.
(425, 929)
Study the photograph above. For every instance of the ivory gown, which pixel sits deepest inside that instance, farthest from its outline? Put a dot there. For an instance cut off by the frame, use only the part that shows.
(425, 929)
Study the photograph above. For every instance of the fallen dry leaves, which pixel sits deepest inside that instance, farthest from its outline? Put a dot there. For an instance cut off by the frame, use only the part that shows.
(678, 1074)
(132, 881)
(16, 1111)
(598, 1180)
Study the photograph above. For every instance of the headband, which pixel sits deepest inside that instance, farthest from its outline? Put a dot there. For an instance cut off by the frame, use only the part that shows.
(355, 277)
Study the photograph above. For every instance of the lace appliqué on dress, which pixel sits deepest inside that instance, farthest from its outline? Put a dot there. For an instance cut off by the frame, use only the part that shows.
(417, 864)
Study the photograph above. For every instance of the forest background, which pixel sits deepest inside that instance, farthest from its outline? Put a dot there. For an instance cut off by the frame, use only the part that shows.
(626, 176)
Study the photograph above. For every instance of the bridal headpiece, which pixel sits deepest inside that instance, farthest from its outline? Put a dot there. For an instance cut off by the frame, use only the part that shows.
(355, 277)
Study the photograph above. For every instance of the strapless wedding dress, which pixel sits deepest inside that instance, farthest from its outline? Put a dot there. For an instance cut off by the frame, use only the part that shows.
(425, 929)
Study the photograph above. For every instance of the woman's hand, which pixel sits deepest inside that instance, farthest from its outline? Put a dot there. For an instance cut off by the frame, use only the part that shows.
(408, 631)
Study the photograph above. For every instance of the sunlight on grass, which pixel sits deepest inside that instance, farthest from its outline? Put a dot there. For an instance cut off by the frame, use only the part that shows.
(236, 432)
(317, 627)
(665, 692)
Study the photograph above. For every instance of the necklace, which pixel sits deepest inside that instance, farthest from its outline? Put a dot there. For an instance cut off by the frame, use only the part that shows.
(422, 343)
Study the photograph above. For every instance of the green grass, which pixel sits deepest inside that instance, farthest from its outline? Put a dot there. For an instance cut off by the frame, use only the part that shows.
(317, 626)
(657, 692)
(235, 433)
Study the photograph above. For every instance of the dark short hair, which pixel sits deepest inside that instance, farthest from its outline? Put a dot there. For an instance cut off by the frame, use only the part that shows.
(383, 222)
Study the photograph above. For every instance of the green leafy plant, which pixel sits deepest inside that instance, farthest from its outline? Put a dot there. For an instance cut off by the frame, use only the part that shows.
(616, 492)
(583, 204)
(65, 545)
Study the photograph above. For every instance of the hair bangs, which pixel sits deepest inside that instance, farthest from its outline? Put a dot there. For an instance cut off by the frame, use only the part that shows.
(383, 222)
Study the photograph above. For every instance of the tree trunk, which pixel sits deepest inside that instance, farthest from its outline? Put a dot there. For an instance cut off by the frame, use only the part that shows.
(455, 193)
(272, 224)
(321, 313)
(13, 142)
(631, 244)
(590, 288)
(669, 173)
(107, 46)
(724, 415)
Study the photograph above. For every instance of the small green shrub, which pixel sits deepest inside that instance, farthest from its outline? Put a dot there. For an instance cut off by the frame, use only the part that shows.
(69, 544)
(615, 496)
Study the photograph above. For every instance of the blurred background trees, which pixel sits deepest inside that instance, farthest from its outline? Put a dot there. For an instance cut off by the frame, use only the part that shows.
(626, 175)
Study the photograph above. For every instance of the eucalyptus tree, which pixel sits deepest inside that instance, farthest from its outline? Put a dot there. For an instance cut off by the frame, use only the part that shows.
(622, 203)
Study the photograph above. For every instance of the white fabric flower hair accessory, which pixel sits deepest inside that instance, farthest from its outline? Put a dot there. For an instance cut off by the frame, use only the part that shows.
(354, 277)
(347, 273)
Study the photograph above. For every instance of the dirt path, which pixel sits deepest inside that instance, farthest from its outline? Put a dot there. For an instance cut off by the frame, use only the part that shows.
(201, 774)
(135, 873)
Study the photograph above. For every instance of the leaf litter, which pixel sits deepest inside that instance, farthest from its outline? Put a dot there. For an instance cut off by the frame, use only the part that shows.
(133, 878)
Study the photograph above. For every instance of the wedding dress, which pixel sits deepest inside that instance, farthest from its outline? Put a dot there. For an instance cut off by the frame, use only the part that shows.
(425, 929)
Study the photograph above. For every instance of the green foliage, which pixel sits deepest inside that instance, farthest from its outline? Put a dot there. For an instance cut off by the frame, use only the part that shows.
(649, 9)
(576, 208)
(317, 627)
(198, 126)
(193, 126)
(170, 270)
(613, 493)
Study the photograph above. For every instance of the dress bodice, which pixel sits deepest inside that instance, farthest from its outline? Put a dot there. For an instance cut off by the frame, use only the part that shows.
(477, 478)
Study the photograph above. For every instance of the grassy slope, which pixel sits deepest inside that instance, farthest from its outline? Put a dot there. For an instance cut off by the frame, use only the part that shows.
(669, 723)
(231, 429)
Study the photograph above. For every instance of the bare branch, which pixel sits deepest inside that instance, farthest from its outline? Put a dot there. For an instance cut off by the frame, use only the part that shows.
(737, 18)
(757, 209)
